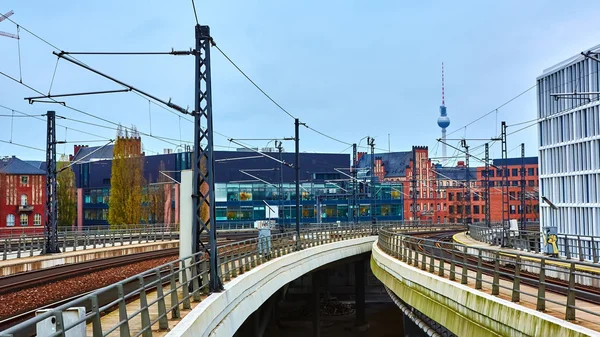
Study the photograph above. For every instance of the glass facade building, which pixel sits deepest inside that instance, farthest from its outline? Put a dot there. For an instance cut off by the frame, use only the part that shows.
(569, 145)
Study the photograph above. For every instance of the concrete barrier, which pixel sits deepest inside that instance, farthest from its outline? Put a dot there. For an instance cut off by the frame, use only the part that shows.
(463, 310)
(221, 314)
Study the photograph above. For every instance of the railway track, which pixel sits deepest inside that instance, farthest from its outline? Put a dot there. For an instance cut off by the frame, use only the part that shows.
(19, 281)
(585, 293)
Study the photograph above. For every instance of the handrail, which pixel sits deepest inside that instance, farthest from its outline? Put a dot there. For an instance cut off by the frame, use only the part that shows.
(185, 280)
(568, 246)
(573, 278)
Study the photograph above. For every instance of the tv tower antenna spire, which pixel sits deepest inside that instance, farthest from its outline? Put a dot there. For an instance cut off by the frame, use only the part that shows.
(443, 121)
(443, 103)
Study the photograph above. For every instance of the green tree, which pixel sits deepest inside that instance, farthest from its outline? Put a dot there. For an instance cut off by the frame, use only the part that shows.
(126, 185)
(65, 194)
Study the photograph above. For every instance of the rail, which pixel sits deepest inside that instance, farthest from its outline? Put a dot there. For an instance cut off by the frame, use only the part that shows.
(30, 244)
(172, 287)
(579, 247)
(574, 280)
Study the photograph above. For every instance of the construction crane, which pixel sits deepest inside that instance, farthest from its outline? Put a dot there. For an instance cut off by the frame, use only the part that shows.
(2, 17)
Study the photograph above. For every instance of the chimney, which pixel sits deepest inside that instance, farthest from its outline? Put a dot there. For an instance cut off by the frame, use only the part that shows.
(460, 163)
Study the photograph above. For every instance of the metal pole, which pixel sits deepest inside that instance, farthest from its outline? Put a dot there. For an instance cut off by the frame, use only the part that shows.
(50, 228)
(280, 148)
(354, 184)
(522, 186)
(505, 194)
(371, 143)
(297, 167)
(487, 185)
(204, 162)
(468, 183)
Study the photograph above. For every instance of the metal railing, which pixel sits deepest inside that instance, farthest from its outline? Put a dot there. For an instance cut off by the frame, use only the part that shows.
(170, 288)
(579, 247)
(480, 266)
(31, 244)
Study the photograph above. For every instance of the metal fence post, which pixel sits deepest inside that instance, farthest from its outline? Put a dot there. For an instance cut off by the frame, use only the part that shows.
(185, 285)
(567, 250)
(173, 291)
(452, 276)
(124, 322)
(516, 293)
(144, 312)
(194, 265)
(423, 261)
(19, 247)
(496, 279)
(570, 312)
(478, 282)
(541, 297)
(96, 322)
(580, 248)
(594, 251)
(463, 279)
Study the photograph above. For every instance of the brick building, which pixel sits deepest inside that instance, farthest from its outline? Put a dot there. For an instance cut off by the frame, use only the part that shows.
(22, 194)
(441, 190)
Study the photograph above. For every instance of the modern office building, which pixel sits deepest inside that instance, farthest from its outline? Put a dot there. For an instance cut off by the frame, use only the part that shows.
(569, 145)
(246, 185)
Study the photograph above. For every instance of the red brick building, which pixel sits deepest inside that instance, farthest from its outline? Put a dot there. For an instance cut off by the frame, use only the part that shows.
(441, 190)
(22, 195)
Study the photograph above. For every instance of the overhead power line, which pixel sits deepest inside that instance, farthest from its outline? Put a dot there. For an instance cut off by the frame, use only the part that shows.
(22, 145)
(494, 110)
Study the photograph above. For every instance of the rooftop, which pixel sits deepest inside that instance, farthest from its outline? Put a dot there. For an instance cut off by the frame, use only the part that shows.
(14, 165)
(87, 154)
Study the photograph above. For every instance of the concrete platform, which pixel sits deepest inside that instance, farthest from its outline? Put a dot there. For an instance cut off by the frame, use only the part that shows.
(464, 239)
(13, 266)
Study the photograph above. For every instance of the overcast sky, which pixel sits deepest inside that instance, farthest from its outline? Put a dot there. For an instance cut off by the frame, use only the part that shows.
(349, 69)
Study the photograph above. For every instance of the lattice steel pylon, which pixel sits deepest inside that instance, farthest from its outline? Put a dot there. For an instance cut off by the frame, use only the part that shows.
(354, 185)
(487, 185)
(522, 183)
(204, 162)
(50, 228)
(505, 192)
(467, 184)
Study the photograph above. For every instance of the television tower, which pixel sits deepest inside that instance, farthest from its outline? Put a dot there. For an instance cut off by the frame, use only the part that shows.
(443, 121)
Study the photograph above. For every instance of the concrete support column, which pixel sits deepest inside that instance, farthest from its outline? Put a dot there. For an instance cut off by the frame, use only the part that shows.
(359, 283)
(316, 304)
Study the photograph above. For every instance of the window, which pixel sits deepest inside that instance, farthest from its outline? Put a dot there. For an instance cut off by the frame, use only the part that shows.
(24, 219)
(512, 195)
(530, 171)
(451, 196)
(515, 172)
(37, 220)
(106, 181)
(515, 183)
(491, 173)
(530, 183)
(513, 209)
(451, 210)
(23, 199)
(24, 180)
(476, 210)
(10, 220)
(475, 197)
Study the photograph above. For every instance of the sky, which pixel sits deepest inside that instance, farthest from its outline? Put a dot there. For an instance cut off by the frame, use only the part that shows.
(349, 69)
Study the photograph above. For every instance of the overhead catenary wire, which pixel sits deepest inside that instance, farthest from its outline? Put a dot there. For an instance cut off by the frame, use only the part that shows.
(494, 110)
(22, 145)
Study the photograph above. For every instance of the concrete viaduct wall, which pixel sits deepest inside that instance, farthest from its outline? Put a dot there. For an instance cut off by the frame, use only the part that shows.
(221, 314)
(463, 310)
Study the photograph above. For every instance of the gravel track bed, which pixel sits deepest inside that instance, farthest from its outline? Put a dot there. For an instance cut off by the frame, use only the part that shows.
(32, 298)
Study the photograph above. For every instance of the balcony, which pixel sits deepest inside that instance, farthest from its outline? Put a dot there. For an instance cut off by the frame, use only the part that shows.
(25, 208)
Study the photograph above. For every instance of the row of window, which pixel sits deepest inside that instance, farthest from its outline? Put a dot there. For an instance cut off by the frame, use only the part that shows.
(476, 209)
(248, 192)
(578, 77)
(289, 212)
(23, 220)
(574, 220)
(572, 126)
(573, 157)
(515, 172)
(574, 189)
